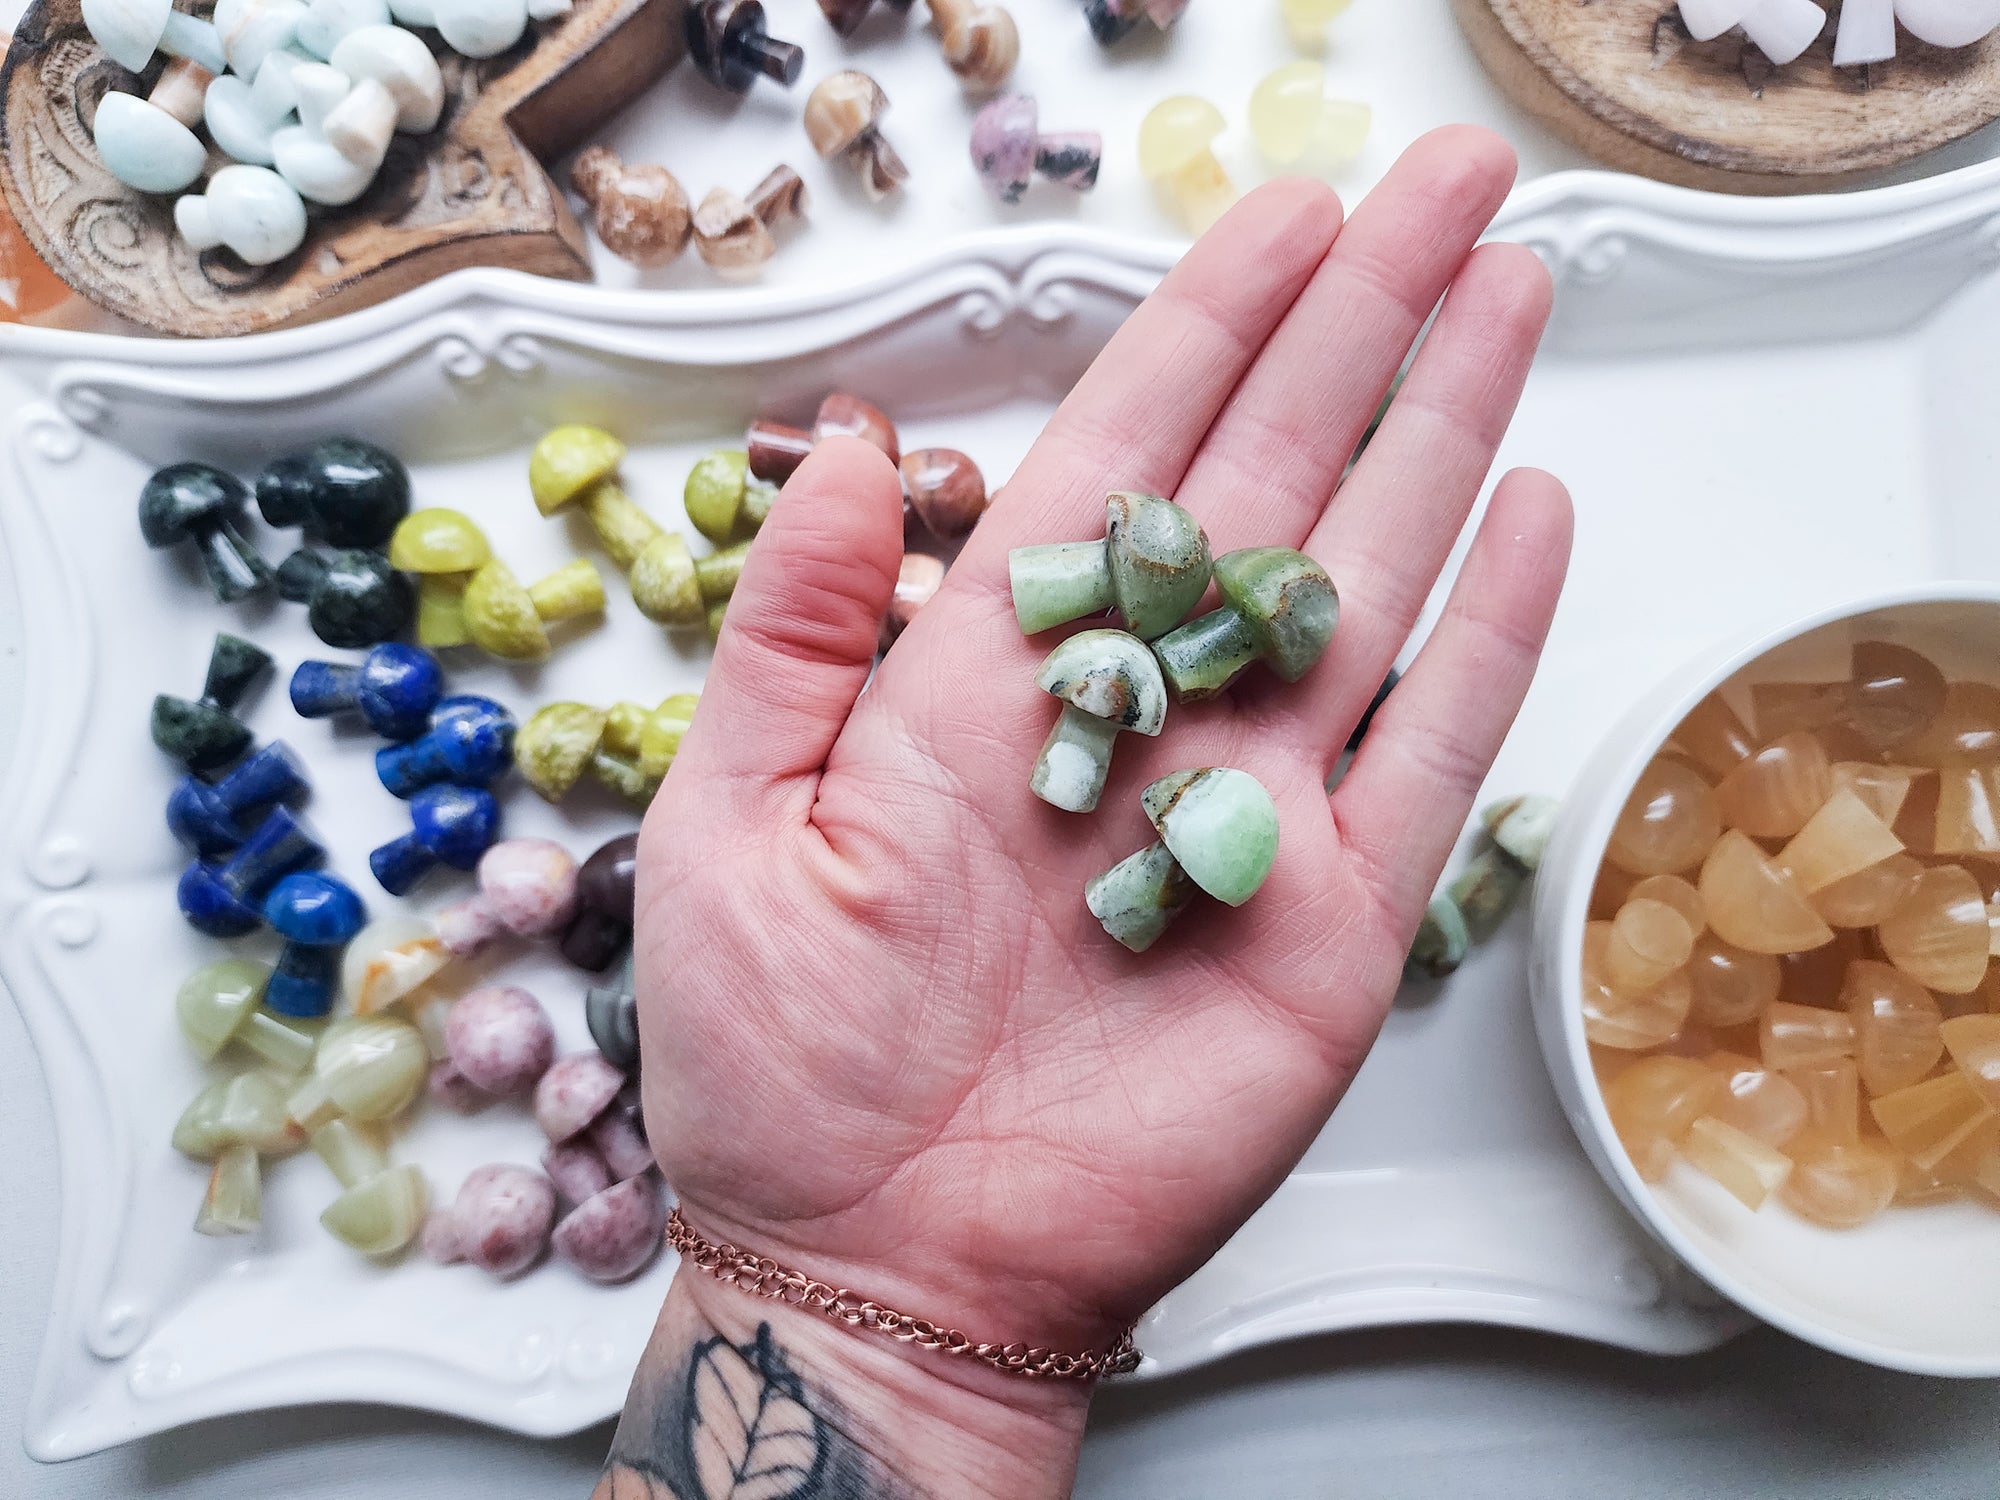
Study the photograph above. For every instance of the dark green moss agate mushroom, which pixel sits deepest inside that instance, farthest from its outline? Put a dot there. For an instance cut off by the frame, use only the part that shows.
(201, 504)
(1278, 607)
(344, 492)
(1151, 565)
(353, 598)
(205, 733)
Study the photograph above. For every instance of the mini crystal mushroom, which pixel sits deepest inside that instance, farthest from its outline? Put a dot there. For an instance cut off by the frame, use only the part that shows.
(1008, 148)
(1473, 906)
(733, 235)
(1781, 29)
(381, 1206)
(479, 28)
(242, 116)
(389, 960)
(205, 733)
(1946, 23)
(1867, 33)
(619, 1137)
(722, 502)
(131, 31)
(225, 900)
(366, 1068)
(605, 887)
(510, 621)
(1113, 20)
(470, 743)
(343, 134)
(1107, 682)
(843, 121)
(200, 503)
(402, 64)
(498, 1041)
(1294, 120)
(443, 549)
(232, 1123)
(221, 1002)
(944, 489)
(1218, 832)
(1175, 155)
(500, 1221)
(1278, 607)
(449, 825)
(252, 30)
(776, 450)
(208, 817)
(342, 491)
(980, 40)
(577, 1170)
(393, 689)
(640, 211)
(327, 23)
(554, 748)
(612, 1013)
(573, 1092)
(1151, 565)
(918, 578)
(577, 465)
(730, 44)
(251, 210)
(614, 1235)
(527, 888)
(353, 598)
(315, 914)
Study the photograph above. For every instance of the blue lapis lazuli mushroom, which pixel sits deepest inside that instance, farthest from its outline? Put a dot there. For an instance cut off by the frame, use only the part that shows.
(317, 914)
(209, 817)
(451, 825)
(394, 689)
(225, 900)
(470, 743)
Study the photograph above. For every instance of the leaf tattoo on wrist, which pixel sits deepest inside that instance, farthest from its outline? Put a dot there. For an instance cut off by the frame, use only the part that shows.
(737, 1424)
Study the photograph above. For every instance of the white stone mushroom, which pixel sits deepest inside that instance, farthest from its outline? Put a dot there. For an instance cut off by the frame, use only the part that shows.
(480, 28)
(1948, 23)
(130, 31)
(412, 12)
(253, 29)
(402, 64)
(326, 22)
(1782, 29)
(144, 147)
(343, 133)
(252, 210)
(242, 116)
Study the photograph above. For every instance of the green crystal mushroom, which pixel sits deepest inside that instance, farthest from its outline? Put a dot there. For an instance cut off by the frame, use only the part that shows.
(1218, 833)
(1151, 565)
(1107, 682)
(722, 501)
(1478, 899)
(1278, 607)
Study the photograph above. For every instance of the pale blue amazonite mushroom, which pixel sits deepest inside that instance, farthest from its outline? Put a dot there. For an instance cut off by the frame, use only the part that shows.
(144, 147)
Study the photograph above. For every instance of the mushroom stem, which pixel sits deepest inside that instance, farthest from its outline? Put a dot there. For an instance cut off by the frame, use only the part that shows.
(1075, 760)
(1138, 898)
(1205, 655)
(778, 61)
(234, 1202)
(349, 1152)
(1057, 582)
(620, 524)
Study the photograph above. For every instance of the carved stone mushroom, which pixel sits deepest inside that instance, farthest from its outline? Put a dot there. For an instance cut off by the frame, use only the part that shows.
(733, 235)
(1218, 833)
(639, 211)
(843, 121)
(1107, 682)
(1151, 565)
(1278, 607)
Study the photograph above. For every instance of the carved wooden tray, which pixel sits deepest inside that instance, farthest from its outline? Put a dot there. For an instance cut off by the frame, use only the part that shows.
(471, 193)
(1622, 80)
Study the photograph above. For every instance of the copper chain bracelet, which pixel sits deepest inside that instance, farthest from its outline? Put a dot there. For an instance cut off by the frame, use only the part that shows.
(763, 1277)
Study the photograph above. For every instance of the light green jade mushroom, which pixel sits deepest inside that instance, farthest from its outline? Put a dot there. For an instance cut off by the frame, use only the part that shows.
(1108, 682)
(1218, 833)
(1151, 565)
(1278, 606)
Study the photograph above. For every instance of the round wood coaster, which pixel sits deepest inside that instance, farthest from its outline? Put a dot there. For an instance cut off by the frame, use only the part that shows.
(1623, 81)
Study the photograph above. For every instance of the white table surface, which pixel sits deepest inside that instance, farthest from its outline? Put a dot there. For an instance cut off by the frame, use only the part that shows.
(1413, 1412)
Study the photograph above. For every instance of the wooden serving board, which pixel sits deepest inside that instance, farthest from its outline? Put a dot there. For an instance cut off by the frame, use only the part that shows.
(473, 192)
(1623, 81)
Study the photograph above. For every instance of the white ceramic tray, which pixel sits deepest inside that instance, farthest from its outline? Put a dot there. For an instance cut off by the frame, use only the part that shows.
(1757, 405)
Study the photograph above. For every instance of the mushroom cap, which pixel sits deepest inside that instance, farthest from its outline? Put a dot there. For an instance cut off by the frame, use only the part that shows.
(388, 959)
(315, 909)
(612, 1013)
(215, 1000)
(640, 209)
(359, 600)
(1159, 561)
(608, 880)
(456, 823)
(1220, 824)
(1521, 827)
(553, 748)
(570, 459)
(573, 1092)
(577, 1170)
(1109, 675)
(729, 236)
(437, 540)
(616, 1233)
(250, 209)
(501, 617)
(500, 1038)
(844, 108)
(713, 495)
(503, 1215)
(843, 414)
(1287, 601)
(918, 578)
(530, 884)
(1003, 145)
(127, 30)
(181, 499)
(1177, 131)
(401, 63)
(234, 122)
(347, 492)
(946, 490)
(664, 583)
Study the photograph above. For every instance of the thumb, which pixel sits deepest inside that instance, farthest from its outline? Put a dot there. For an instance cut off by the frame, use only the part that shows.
(801, 635)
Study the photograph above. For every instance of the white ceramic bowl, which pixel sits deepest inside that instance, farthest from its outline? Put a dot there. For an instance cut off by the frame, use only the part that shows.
(1914, 1289)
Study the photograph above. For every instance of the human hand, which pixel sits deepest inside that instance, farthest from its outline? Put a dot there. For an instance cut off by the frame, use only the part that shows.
(884, 1041)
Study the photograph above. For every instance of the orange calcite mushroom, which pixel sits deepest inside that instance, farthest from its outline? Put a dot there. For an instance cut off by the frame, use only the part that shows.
(1866, 897)
(1894, 693)
(1713, 737)
(1675, 892)
(1731, 986)
(1774, 792)
(1782, 708)
(1652, 1104)
(1883, 788)
(1843, 838)
(1749, 1168)
(1968, 810)
(1668, 822)
(1833, 1100)
(1974, 1044)
(1938, 935)
(1753, 903)
(1965, 732)
(1648, 941)
(1897, 1036)
(1927, 1120)
(1840, 1184)
(1631, 1022)
(1803, 1036)
(1757, 1100)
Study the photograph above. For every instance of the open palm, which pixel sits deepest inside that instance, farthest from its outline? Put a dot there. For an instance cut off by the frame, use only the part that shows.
(884, 1040)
